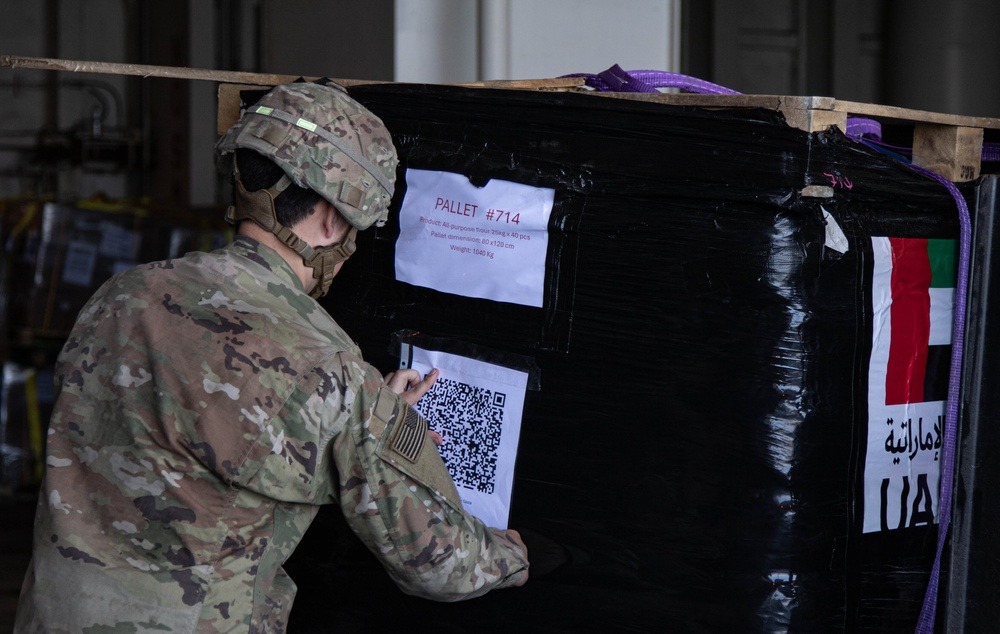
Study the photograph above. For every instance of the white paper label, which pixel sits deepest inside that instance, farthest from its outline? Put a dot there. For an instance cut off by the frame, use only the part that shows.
(487, 242)
(117, 241)
(81, 258)
(477, 408)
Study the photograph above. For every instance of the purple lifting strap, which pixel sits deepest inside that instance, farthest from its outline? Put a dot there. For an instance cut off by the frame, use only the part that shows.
(925, 625)
(617, 80)
(858, 127)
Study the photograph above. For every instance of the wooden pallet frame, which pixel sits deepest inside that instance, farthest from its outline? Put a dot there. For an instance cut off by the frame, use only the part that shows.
(949, 145)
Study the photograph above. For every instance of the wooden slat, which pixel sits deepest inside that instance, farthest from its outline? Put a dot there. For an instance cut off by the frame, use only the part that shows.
(947, 144)
(144, 70)
(556, 83)
(793, 103)
(907, 114)
(245, 78)
(954, 152)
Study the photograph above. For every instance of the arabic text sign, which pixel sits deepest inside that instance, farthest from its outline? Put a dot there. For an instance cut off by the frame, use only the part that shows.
(487, 242)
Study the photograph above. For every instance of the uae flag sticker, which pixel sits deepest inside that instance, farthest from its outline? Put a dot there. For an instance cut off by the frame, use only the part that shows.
(913, 294)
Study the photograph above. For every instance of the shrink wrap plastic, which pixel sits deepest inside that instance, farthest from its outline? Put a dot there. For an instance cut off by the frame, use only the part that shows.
(694, 457)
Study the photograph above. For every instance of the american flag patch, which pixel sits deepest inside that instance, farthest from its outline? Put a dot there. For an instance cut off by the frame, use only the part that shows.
(409, 436)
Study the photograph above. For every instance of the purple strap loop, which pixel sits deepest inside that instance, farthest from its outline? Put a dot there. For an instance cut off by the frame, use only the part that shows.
(858, 127)
(617, 80)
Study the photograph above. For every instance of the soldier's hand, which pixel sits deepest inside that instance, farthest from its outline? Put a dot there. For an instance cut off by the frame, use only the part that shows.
(409, 385)
(515, 537)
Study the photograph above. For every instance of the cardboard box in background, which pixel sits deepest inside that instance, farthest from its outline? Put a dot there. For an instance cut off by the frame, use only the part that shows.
(54, 257)
(78, 250)
(64, 252)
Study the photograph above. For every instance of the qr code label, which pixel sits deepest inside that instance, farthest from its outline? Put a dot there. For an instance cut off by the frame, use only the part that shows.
(470, 419)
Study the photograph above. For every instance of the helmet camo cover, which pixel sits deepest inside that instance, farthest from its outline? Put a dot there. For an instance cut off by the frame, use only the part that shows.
(324, 141)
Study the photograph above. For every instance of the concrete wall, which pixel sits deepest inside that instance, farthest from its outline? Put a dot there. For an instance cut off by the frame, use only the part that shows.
(924, 54)
(456, 40)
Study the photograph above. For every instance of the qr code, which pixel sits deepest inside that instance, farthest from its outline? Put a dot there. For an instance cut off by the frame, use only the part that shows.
(470, 419)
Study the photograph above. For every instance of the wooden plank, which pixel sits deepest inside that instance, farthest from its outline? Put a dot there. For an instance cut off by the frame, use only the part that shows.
(559, 83)
(811, 114)
(144, 70)
(229, 106)
(556, 83)
(768, 102)
(815, 120)
(245, 78)
(907, 114)
(947, 144)
(789, 103)
(954, 152)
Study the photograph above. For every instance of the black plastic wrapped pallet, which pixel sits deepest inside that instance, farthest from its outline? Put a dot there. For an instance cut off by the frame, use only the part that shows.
(970, 596)
(693, 458)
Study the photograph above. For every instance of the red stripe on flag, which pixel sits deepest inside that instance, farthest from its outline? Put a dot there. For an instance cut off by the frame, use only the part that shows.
(910, 321)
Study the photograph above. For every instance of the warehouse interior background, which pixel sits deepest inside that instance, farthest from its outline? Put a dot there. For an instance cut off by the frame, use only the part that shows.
(78, 135)
(72, 137)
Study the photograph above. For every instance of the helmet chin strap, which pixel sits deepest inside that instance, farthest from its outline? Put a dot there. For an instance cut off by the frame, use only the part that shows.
(258, 207)
(325, 260)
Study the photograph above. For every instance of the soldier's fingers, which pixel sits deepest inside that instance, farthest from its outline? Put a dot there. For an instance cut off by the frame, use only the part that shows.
(426, 383)
(420, 388)
(436, 437)
(400, 379)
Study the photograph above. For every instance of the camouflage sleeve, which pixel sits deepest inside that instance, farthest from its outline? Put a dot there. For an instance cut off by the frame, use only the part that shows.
(400, 500)
(344, 437)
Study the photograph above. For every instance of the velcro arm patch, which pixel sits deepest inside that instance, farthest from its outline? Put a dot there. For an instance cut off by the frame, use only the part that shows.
(404, 445)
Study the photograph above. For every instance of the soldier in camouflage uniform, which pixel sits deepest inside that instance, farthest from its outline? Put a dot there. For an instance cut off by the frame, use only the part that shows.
(207, 405)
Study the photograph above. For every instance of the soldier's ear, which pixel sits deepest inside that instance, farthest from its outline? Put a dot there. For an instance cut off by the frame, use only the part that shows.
(334, 224)
(329, 219)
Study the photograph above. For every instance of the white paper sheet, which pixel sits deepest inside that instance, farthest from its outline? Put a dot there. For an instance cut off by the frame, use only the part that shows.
(81, 259)
(487, 242)
(117, 241)
(477, 408)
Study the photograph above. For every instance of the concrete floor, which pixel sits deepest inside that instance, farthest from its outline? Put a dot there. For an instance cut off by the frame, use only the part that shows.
(17, 514)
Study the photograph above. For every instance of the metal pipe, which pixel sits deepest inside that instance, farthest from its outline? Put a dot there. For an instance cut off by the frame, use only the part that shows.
(494, 39)
(52, 50)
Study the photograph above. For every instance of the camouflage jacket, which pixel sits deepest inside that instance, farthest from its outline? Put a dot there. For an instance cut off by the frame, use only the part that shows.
(206, 406)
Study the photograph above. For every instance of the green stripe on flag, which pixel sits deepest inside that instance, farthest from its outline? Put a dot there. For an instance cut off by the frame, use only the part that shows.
(943, 256)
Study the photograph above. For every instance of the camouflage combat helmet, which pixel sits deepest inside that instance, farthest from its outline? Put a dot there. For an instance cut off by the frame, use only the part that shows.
(324, 141)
